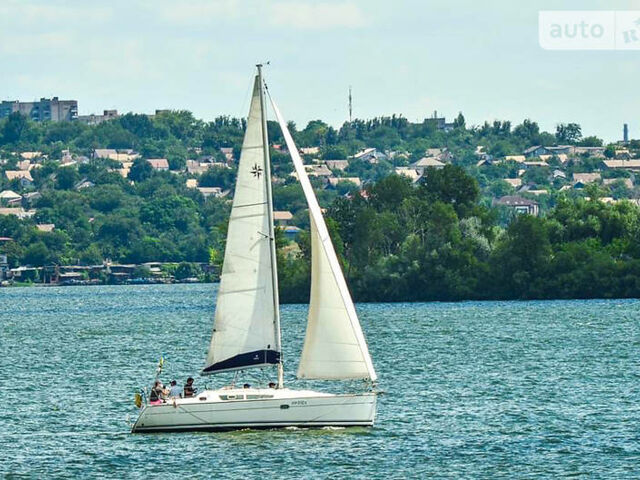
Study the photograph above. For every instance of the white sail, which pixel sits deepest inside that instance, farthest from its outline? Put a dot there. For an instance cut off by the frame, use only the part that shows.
(245, 332)
(334, 345)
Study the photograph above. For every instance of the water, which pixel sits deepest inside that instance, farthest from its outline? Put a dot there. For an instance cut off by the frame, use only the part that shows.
(473, 390)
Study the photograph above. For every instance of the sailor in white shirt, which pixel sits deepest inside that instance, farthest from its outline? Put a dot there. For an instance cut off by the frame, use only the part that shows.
(175, 391)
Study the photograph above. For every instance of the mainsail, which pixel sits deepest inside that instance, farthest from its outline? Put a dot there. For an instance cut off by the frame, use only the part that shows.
(334, 345)
(246, 325)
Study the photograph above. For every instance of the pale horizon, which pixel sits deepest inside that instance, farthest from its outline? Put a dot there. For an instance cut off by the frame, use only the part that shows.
(409, 59)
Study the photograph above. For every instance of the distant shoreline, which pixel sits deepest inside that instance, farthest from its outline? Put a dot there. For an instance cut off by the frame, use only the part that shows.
(89, 283)
(411, 302)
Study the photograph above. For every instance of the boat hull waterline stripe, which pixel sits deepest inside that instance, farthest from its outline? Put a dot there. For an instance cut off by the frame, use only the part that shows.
(253, 426)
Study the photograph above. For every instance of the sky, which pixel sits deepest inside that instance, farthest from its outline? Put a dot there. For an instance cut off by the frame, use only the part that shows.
(409, 57)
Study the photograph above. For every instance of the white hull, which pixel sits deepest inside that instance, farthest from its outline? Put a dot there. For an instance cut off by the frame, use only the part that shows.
(232, 409)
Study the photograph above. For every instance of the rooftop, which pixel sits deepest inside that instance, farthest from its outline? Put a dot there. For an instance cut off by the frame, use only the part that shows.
(337, 164)
(410, 172)
(282, 215)
(515, 201)
(635, 163)
(310, 150)
(336, 180)
(586, 177)
(9, 195)
(428, 162)
(46, 227)
(13, 174)
(18, 212)
(159, 163)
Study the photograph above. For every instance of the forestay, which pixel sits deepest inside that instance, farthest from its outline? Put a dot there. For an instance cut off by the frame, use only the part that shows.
(334, 345)
(245, 328)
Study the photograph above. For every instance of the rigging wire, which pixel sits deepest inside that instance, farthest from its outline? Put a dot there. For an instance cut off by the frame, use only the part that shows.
(247, 94)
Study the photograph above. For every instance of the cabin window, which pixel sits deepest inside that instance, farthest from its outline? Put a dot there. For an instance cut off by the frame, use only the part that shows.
(258, 397)
(231, 397)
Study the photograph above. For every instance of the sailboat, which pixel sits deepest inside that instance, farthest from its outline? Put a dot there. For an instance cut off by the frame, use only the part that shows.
(246, 332)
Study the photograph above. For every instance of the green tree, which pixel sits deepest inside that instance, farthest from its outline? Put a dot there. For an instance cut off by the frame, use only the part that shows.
(141, 126)
(66, 178)
(390, 192)
(591, 141)
(140, 171)
(218, 177)
(119, 231)
(501, 149)
(568, 132)
(451, 185)
(528, 131)
(334, 152)
(106, 198)
(170, 212)
(92, 255)
(37, 255)
(521, 259)
(459, 121)
(610, 151)
(14, 128)
(537, 175)
(188, 270)
(141, 271)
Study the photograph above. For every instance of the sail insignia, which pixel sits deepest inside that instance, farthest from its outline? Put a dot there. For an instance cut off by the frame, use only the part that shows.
(256, 171)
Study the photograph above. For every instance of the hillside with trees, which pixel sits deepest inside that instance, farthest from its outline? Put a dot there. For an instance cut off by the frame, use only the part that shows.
(437, 234)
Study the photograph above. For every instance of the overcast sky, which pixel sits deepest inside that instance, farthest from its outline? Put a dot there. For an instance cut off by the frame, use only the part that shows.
(405, 57)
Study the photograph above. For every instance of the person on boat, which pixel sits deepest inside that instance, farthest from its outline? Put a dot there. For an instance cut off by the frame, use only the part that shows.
(272, 385)
(175, 391)
(246, 385)
(156, 397)
(189, 389)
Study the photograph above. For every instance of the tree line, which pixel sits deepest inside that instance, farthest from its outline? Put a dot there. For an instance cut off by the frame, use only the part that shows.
(437, 242)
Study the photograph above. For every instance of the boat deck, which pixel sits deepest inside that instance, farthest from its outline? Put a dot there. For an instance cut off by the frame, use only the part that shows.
(239, 394)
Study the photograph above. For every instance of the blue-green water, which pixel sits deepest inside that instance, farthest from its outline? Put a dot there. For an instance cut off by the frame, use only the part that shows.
(474, 390)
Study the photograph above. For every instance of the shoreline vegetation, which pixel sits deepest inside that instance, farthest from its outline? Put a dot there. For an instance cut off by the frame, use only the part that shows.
(437, 243)
(148, 197)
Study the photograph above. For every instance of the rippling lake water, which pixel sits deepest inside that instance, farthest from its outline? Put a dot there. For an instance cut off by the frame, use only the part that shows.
(473, 390)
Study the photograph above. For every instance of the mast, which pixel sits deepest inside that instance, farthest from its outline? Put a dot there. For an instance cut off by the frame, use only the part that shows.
(272, 237)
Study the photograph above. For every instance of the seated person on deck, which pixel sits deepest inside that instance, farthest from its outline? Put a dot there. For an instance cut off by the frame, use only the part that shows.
(189, 389)
(157, 394)
(175, 391)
